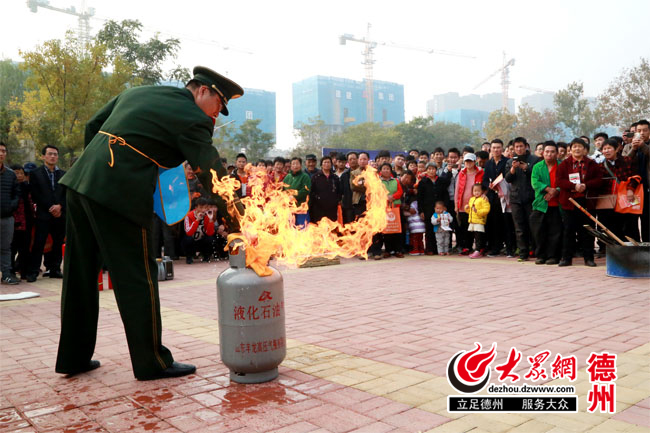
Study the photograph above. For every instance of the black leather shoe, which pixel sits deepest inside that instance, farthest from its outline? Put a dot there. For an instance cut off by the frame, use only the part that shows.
(55, 274)
(175, 370)
(551, 262)
(31, 278)
(93, 364)
(564, 262)
(590, 263)
(540, 261)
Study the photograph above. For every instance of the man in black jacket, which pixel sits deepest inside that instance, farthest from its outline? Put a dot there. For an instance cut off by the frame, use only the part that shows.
(495, 221)
(518, 172)
(346, 189)
(432, 188)
(9, 193)
(49, 197)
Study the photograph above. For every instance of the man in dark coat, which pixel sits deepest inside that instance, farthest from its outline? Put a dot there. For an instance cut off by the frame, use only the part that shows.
(432, 188)
(110, 201)
(496, 222)
(9, 195)
(346, 188)
(518, 173)
(49, 197)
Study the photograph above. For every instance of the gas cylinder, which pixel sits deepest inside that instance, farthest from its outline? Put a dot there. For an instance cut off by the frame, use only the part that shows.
(252, 335)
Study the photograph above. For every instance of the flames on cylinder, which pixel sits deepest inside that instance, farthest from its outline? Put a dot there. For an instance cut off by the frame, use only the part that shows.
(268, 228)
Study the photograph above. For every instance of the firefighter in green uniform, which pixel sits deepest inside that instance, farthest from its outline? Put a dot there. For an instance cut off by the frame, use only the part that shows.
(110, 207)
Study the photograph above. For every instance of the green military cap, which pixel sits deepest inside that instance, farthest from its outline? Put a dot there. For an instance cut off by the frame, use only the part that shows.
(225, 87)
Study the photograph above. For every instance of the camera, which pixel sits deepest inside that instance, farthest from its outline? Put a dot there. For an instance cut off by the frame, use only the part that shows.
(628, 134)
(516, 158)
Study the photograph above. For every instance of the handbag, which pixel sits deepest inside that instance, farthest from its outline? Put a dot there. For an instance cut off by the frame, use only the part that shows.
(393, 221)
(623, 205)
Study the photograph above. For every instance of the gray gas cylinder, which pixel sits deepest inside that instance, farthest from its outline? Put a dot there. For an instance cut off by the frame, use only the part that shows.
(252, 337)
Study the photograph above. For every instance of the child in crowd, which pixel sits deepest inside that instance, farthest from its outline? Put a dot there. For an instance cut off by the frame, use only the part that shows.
(478, 209)
(416, 230)
(441, 221)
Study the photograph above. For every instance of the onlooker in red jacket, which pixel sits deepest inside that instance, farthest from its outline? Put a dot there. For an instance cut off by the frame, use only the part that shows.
(199, 232)
(578, 176)
(467, 177)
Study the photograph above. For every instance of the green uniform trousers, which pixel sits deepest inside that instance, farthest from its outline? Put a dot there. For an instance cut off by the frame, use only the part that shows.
(96, 234)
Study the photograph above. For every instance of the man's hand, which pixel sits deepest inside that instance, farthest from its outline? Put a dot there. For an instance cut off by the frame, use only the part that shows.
(221, 230)
(637, 142)
(55, 210)
(581, 187)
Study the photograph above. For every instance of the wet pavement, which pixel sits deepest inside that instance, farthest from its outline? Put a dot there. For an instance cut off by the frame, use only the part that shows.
(367, 349)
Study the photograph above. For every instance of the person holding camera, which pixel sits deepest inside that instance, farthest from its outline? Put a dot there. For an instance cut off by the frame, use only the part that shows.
(199, 232)
(639, 150)
(518, 175)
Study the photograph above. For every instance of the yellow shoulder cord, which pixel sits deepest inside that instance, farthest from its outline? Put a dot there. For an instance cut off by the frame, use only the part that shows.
(112, 139)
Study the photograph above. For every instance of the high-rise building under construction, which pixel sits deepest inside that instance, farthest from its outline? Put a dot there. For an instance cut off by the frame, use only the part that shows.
(340, 102)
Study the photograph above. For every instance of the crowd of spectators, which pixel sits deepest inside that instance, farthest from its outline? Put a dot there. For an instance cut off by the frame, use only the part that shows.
(515, 199)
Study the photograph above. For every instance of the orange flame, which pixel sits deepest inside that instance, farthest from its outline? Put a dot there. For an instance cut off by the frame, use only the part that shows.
(268, 228)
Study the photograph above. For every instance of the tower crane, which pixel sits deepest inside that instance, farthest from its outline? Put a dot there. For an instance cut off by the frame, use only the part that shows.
(84, 16)
(368, 61)
(505, 79)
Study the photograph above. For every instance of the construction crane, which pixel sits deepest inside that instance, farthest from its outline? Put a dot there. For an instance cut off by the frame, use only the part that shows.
(84, 16)
(368, 61)
(535, 89)
(505, 79)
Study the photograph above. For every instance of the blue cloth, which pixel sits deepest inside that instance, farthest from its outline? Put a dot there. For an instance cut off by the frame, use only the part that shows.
(171, 200)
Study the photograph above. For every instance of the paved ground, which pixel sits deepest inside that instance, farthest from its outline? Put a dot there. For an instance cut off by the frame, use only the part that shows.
(368, 344)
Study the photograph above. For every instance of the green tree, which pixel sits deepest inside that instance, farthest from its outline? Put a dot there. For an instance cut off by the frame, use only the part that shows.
(12, 82)
(501, 124)
(65, 88)
(415, 134)
(535, 126)
(12, 86)
(627, 99)
(368, 136)
(573, 110)
(146, 58)
(222, 139)
(255, 143)
(313, 136)
(448, 135)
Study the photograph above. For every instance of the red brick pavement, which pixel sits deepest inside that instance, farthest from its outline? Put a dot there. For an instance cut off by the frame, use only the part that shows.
(414, 313)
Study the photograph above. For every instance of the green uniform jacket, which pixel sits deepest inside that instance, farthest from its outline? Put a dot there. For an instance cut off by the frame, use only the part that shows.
(162, 122)
(301, 182)
(540, 180)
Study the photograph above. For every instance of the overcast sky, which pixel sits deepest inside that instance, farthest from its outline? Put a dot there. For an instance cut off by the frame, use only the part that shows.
(273, 44)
